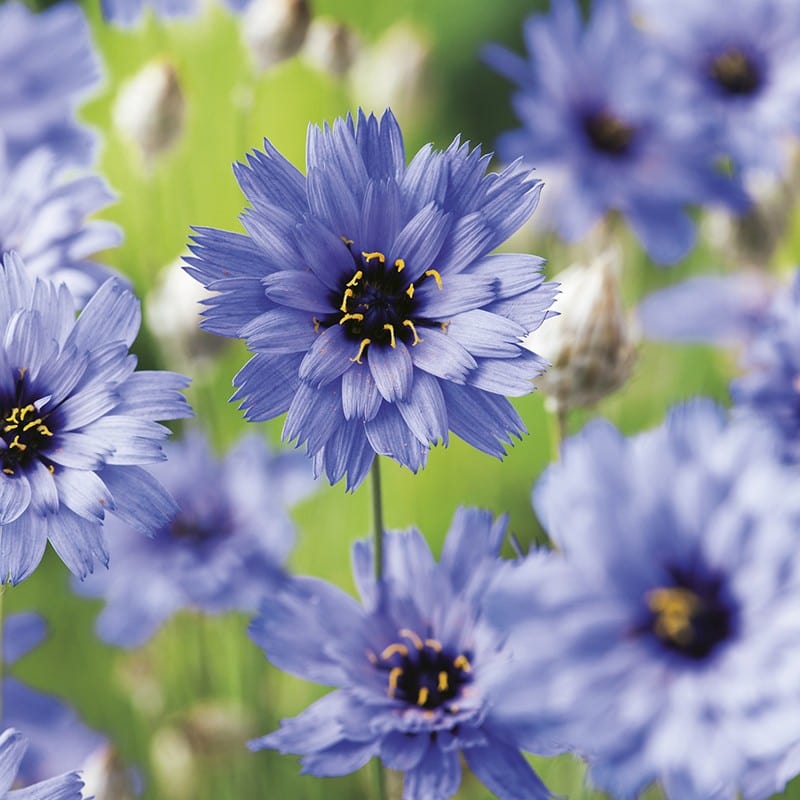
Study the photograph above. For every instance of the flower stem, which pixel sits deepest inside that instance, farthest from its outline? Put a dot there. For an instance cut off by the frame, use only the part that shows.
(2, 664)
(558, 430)
(377, 517)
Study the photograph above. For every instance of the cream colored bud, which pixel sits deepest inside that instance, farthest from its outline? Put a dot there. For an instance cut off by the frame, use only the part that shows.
(331, 46)
(217, 728)
(592, 343)
(106, 777)
(150, 108)
(274, 30)
(174, 764)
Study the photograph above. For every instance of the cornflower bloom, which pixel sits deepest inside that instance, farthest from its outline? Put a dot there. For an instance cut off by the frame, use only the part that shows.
(417, 669)
(77, 422)
(365, 289)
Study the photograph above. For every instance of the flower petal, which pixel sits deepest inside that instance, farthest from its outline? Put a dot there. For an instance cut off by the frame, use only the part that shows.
(392, 370)
(22, 544)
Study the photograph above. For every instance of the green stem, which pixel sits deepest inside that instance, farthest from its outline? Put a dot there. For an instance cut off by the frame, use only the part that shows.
(558, 430)
(2, 595)
(377, 517)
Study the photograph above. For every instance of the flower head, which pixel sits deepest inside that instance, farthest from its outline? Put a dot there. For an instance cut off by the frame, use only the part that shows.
(77, 420)
(377, 318)
(645, 641)
(415, 667)
(607, 130)
(221, 551)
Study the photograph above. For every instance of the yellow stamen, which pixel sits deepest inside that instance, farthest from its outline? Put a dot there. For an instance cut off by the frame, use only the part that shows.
(32, 424)
(355, 279)
(27, 410)
(18, 444)
(461, 662)
(409, 324)
(8, 471)
(410, 291)
(361, 348)
(394, 676)
(44, 430)
(432, 273)
(409, 634)
(369, 256)
(444, 326)
(454, 709)
(393, 649)
(348, 293)
(316, 324)
(434, 645)
(52, 469)
(674, 608)
(356, 317)
(399, 264)
(13, 417)
(389, 327)
(442, 681)
(422, 697)
(347, 241)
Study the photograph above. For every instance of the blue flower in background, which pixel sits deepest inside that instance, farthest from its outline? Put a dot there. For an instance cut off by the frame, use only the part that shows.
(76, 422)
(645, 642)
(43, 219)
(223, 549)
(608, 129)
(377, 319)
(741, 60)
(416, 667)
(126, 13)
(50, 65)
(12, 749)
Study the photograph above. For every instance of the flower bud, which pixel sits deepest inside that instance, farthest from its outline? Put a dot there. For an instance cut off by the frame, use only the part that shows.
(331, 46)
(592, 343)
(274, 30)
(106, 777)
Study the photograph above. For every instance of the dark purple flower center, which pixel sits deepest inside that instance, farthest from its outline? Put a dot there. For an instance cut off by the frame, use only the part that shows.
(24, 433)
(423, 673)
(186, 528)
(735, 73)
(376, 305)
(608, 133)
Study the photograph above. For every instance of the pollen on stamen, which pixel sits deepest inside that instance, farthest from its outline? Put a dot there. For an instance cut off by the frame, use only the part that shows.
(422, 697)
(409, 324)
(316, 324)
(410, 291)
(348, 293)
(369, 256)
(434, 645)
(443, 682)
(392, 649)
(399, 264)
(462, 662)
(389, 327)
(356, 278)
(394, 677)
(356, 317)
(347, 241)
(406, 633)
(432, 273)
(361, 348)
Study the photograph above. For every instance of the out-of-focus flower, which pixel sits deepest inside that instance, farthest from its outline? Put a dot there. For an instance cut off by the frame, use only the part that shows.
(644, 643)
(12, 749)
(107, 777)
(43, 218)
(127, 13)
(331, 46)
(150, 108)
(741, 61)
(221, 551)
(77, 420)
(275, 30)
(394, 72)
(608, 130)
(377, 318)
(591, 344)
(415, 667)
(49, 65)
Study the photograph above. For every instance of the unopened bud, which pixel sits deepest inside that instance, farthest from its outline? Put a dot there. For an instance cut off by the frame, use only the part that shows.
(592, 343)
(150, 108)
(331, 46)
(106, 777)
(274, 30)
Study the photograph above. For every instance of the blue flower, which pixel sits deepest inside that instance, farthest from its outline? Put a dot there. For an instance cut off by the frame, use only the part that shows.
(49, 64)
(377, 319)
(645, 642)
(76, 422)
(126, 13)
(741, 60)
(43, 218)
(12, 749)
(608, 130)
(221, 551)
(417, 669)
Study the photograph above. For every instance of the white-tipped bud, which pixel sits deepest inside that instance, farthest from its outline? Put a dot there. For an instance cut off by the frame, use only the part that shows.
(174, 764)
(106, 777)
(331, 46)
(393, 73)
(274, 30)
(150, 108)
(592, 343)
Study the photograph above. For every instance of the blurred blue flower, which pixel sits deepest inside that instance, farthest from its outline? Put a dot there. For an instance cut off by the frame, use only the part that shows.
(77, 420)
(223, 549)
(12, 749)
(645, 642)
(608, 128)
(43, 218)
(416, 667)
(126, 13)
(50, 65)
(365, 290)
(741, 60)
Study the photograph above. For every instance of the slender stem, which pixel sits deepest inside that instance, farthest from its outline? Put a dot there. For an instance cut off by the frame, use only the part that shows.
(2, 665)
(558, 430)
(377, 517)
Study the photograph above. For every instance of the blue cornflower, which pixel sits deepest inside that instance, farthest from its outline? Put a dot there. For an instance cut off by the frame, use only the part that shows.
(377, 319)
(741, 60)
(608, 130)
(43, 218)
(126, 13)
(222, 550)
(645, 642)
(76, 422)
(12, 749)
(49, 64)
(417, 669)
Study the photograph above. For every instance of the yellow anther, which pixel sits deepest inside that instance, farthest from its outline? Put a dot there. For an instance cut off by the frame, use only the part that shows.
(32, 424)
(356, 317)
(316, 324)
(18, 444)
(22, 371)
(399, 264)
(454, 709)
(434, 645)
(410, 290)
(432, 273)
(411, 636)
(348, 293)
(13, 417)
(674, 608)
(442, 681)
(355, 279)
(394, 676)
(361, 348)
(26, 410)
(462, 662)
(10, 428)
(444, 326)
(422, 697)
(347, 241)
(389, 327)
(52, 469)
(392, 649)
(8, 471)
(44, 430)
(409, 324)
(369, 256)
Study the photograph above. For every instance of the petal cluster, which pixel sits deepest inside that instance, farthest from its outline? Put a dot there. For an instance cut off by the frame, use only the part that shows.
(127, 13)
